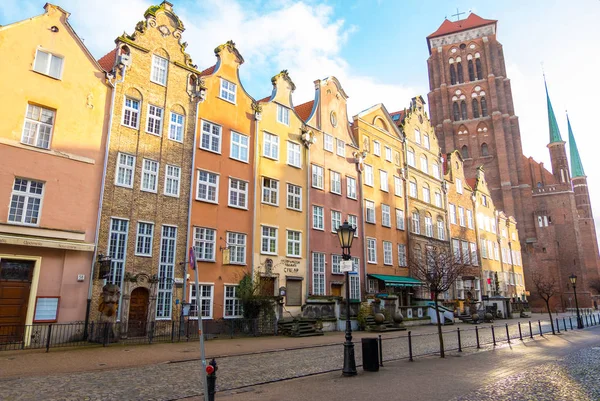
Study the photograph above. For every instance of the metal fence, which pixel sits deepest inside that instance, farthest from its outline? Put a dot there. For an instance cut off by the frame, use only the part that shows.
(56, 335)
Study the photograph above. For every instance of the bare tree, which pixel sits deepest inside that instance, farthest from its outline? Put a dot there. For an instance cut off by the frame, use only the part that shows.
(545, 287)
(438, 271)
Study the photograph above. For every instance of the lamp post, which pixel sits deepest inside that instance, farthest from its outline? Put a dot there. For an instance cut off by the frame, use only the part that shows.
(573, 280)
(345, 234)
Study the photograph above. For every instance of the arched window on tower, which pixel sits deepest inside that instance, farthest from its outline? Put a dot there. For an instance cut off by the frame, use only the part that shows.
(464, 152)
(478, 68)
(452, 74)
(463, 110)
(475, 108)
(484, 149)
(484, 111)
(471, 70)
(455, 111)
(460, 72)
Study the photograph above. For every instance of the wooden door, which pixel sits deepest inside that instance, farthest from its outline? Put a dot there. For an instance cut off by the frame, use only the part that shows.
(15, 283)
(267, 286)
(336, 290)
(138, 312)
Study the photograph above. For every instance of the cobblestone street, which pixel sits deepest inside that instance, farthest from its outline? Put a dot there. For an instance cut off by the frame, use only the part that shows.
(168, 381)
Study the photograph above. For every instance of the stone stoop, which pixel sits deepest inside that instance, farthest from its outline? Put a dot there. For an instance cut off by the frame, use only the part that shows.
(299, 327)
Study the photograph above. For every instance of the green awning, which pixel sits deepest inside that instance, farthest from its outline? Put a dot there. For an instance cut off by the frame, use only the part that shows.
(397, 281)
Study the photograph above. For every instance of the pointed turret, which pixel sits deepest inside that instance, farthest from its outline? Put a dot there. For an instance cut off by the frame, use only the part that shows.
(552, 125)
(576, 165)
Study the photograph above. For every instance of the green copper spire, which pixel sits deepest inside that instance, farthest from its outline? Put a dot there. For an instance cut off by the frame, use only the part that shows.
(576, 165)
(554, 132)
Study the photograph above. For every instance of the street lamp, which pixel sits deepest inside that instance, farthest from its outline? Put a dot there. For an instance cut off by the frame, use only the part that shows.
(573, 280)
(345, 234)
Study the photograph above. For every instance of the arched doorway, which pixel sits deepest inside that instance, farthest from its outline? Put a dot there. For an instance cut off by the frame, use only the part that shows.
(138, 312)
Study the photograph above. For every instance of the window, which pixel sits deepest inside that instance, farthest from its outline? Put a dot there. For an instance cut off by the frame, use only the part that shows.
(424, 165)
(483, 249)
(411, 158)
(172, 180)
(159, 70)
(117, 250)
(369, 179)
(376, 148)
(294, 292)
(206, 301)
(428, 226)
(351, 187)
(335, 264)
(233, 305)
(340, 147)
(48, 64)
(370, 210)
(26, 201)
(397, 186)
(471, 70)
(211, 137)
(372, 286)
(176, 127)
(456, 249)
(473, 247)
(208, 187)
(328, 142)
(238, 193)
(426, 143)
(400, 219)
(452, 74)
(269, 240)
(355, 282)
(353, 221)
(478, 68)
(383, 180)
(496, 251)
(416, 223)
(143, 241)
(318, 270)
(459, 186)
(236, 243)
(228, 90)
(485, 150)
(125, 167)
(149, 175)
(441, 229)
(166, 271)
(484, 201)
(317, 176)
(270, 146)
(387, 253)
(371, 250)
(240, 145)
(386, 219)
(46, 309)
(336, 220)
(465, 252)
(470, 219)
(388, 154)
(293, 243)
(417, 136)
(475, 105)
(463, 110)
(412, 187)
(455, 111)
(205, 240)
(452, 214)
(461, 216)
(464, 152)
(270, 191)
(335, 182)
(318, 221)
(402, 255)
(426, 194)
(131, 113)
(37, 130)
(438, 199)
(293, 154)
(484, 110)
(294, 197)
(154, 120)
(459, 71)
(283, 115)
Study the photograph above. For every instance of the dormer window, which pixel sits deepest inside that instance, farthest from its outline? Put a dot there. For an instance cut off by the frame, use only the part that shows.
(48, 64)
(228, 90)
(160, 67)
(283, 115)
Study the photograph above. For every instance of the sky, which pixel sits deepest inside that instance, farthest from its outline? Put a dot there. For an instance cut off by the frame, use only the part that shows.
(377, 49)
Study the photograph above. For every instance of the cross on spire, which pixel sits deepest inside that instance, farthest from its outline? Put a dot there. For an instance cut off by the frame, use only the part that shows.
(457, 15)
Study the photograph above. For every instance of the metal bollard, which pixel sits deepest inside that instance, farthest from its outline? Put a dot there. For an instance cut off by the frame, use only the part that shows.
(459, 344)
(380, 351)
(48, 338)
(530, 330)
(540, 327)
(410, 358)
(587, 321)
(520, 333)
(477, 336)
(211, 379)
(507, 334)
(493, 335)
(557, 326)
(564, 324)
(570, 322)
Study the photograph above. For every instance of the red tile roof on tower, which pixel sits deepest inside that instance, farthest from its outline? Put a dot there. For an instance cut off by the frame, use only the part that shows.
(107, 62)
(208, 71)
(304, 110)
(472, 21)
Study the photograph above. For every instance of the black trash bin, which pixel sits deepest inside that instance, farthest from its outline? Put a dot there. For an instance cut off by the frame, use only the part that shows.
(370, 354)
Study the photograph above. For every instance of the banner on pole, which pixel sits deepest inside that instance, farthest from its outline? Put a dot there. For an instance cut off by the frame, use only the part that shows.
(192, 258)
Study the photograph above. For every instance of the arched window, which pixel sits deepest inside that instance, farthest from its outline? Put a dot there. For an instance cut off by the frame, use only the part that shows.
(452, 74)
(460, 73)
(426, 193)
(455, 111)
(484, 111)
(424, 164)
(441, 229)
(464, 152)
(411, 157)
(475, 108)
(484, 150)
(463, 110)
(416, 223)
(412, 188)
(471, 70)
(478, 68)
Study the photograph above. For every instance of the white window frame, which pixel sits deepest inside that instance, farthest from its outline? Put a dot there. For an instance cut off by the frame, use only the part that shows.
(353, 221)
(384, 185)
(461, 216)
(335, 264)
(400, 225)
(231, 303)
(149, 179)
(235, 189)
(369, 178)
(296, 243)
(388, 154)
(172, 180)
(351, 187)
(398, 186)
(376, 148)
(371, 250)
(441, 227)
(340, 147)
(452, 211)
(328, 142)
(228, 91)
(176, 127)
(205, 244)
(417, 136)
(436, 170)
(413, 189)
(210, 135)
(386, 215)
(209, 185)
(154, 119)
(166, 272)
(126, 168)
(159, 65)
(318, 178)
(270, 146)
(294, 196)
(426, 194)
(118, 237)
(335, 182)
(270, 190)
(294, 158)
(39, 126)
(236, 243)
(416, 223)
(29, 198)
(272, 239)
(354, 283)
(336, 218)
(318, 274)
(459, 186)
(429, 226)
(388, 258)
(410, 158)
(237, 141)
(130, 112)
(473, 247)
(370, 212)
(426, 143)
(46, 69)
(283, 115)
(318, 218)
(438, 199)
(143, 238)
(204, 300)
(402, 255)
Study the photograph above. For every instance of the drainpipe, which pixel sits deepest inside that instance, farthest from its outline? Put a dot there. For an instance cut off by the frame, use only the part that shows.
(257, 118)
(308, 218)
(362, 227)
(100, 201)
